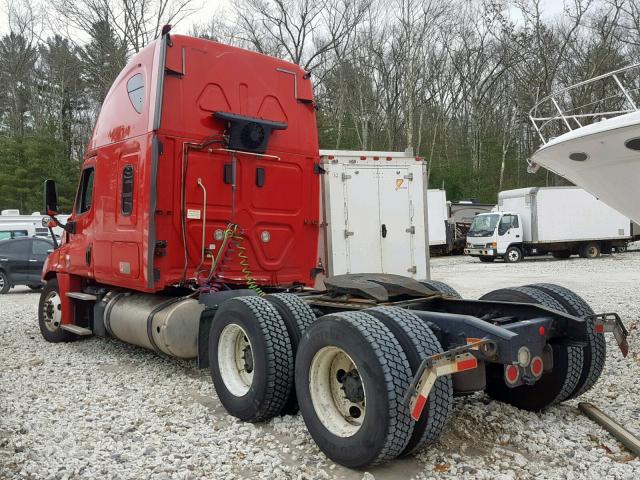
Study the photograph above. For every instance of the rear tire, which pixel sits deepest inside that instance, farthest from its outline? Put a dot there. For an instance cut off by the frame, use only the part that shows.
(4, 283)
(513, 255)
(297, 316)
(595, 354)
(590, 250)
(250, 358)
(351, 378)
(441, 287)
(487, 259)
(418, 342)
(50, 315)
(554, 386)
(561, 255)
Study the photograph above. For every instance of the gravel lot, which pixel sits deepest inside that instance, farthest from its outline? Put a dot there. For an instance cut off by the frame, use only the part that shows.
(103, 409)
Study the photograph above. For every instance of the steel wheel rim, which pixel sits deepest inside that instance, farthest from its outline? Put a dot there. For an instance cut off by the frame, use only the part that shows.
(340, 415)
(52, 311)
(235, 360)
(514, 255)
(1, 281)
(592, 252)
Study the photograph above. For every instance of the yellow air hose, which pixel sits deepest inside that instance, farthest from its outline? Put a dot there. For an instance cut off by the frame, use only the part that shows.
(237, 239)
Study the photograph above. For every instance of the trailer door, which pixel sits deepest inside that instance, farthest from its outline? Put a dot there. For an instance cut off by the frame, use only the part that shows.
(363, 230)
(395, 221)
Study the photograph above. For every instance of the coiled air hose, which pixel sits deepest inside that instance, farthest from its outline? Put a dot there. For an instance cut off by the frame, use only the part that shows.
(232, 241)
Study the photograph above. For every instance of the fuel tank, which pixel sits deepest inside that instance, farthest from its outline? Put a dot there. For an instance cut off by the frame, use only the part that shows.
(163, 324)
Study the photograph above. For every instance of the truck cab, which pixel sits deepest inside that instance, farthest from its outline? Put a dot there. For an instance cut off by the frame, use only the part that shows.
(495, 235)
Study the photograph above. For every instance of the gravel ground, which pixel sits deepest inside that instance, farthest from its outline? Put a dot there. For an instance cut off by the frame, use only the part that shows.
(103, 409)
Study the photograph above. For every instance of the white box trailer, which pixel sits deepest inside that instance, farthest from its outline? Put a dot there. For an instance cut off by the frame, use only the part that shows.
(438, 219)
(558, 220)
(374, 213)
(557, 214)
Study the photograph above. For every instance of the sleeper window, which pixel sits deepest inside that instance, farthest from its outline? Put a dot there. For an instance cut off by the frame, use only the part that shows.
(135, 89)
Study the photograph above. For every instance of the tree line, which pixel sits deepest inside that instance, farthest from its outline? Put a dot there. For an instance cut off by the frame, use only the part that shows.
(452, 80)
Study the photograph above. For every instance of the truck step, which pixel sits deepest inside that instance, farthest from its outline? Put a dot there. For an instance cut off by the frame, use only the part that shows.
(76, 329)
(87, 297)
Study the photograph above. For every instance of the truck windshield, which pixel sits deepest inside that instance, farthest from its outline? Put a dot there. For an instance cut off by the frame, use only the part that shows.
(483, 225)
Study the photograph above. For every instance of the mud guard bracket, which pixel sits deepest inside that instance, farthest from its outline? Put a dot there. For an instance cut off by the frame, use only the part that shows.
(611, 322)
(452, 361)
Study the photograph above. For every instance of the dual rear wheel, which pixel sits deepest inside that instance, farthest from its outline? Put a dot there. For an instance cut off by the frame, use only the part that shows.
(575, 369)
(349, 373)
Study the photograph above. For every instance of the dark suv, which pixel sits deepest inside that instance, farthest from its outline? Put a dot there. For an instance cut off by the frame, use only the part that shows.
(21, 261)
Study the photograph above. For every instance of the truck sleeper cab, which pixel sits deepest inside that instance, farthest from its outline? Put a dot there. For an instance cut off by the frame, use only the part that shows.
(195, 234)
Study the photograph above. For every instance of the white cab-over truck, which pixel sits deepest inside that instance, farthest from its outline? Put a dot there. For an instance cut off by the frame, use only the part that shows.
(562, 221)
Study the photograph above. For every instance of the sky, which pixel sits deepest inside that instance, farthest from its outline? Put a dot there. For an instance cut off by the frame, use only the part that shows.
(550, 7)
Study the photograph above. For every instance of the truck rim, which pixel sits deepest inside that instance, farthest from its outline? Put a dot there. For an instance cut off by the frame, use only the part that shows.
(337, 392)
(1, 281)
(235, 359)
(52, 311)
(514, 255)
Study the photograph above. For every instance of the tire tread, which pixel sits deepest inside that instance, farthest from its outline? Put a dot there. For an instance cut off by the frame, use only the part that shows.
(440, 402)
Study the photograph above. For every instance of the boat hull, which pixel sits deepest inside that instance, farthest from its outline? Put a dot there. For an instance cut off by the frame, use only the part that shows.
(611, 171)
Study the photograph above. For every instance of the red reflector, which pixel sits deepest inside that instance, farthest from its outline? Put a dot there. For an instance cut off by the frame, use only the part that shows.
(541, 331)
(467, 364)
(511, 373)
(376, 158)
(421, 401)
(536, 366)
(363, 158)
(419, 159)
(599, 328)
(331, 157)
(389, 158)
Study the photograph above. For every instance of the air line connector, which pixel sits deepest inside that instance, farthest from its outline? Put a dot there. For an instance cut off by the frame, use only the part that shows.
(447, 363)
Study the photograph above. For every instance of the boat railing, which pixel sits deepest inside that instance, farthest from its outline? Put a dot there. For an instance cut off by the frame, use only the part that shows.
(599, 98)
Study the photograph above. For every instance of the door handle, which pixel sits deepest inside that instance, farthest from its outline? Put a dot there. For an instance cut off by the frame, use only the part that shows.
(384, 231)
(517, 236)
(32, 260)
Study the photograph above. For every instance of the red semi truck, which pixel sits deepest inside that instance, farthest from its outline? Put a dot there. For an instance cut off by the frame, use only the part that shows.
(195, 233)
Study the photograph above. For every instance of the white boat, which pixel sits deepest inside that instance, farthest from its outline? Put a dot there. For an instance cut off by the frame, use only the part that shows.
(597, 144)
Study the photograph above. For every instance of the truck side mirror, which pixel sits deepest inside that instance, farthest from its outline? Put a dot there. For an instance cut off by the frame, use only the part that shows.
(50, 197)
